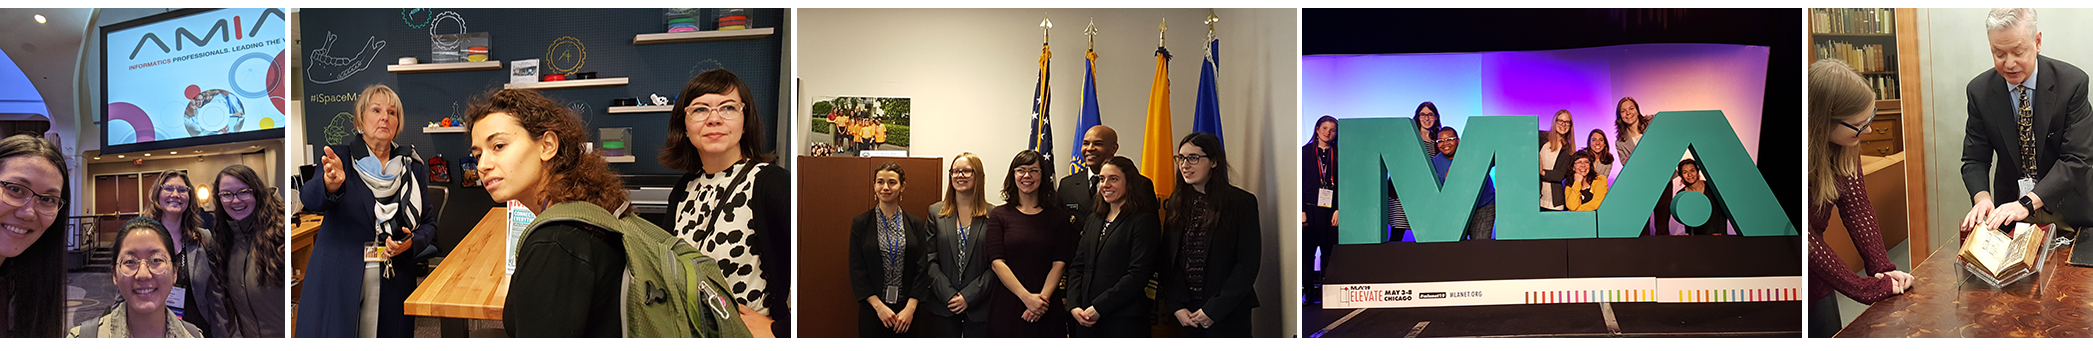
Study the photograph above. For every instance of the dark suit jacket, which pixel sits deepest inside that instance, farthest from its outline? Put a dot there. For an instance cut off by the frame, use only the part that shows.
(1074, 194)
(867, 278)
(2063, 140)
(1112, 275)
(946, 279)
(1234, 245)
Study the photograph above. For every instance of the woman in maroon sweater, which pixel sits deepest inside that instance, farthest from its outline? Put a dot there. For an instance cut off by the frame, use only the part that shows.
(1841, 108)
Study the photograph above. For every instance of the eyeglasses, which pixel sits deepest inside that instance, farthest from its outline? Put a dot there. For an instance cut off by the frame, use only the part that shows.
(243, 195)
(1449, 139)
(158, 265)
(18, 194)
(1862, 128)
(728, 111)
(174, 189)
(1190, 159)
(1026, 171)
(962, 172)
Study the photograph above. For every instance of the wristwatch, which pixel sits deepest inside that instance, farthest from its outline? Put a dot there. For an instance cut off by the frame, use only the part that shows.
(2027, 203)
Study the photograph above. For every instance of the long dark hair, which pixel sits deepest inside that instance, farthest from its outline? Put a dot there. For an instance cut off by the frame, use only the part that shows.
(1600, 154)
(1140, 191)
(1179, 208)
(33, 281)
(571, 175)
(679, 154)
(192, 222)
(1333, 133)
(1438, 119)
(262, 233)
(1046, 186)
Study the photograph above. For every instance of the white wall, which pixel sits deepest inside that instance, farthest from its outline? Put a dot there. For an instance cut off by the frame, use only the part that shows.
(1954, 50)
(970, 75)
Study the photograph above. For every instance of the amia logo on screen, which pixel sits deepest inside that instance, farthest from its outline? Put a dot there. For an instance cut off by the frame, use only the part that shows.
(226, 31)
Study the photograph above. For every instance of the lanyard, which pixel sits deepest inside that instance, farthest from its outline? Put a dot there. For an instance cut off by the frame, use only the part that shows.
(1322, 164)
(891, 249)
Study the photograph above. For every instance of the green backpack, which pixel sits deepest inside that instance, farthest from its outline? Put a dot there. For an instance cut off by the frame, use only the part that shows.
(670, 289)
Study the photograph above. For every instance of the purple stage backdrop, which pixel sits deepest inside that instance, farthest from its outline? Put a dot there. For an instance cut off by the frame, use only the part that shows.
(1587, 82)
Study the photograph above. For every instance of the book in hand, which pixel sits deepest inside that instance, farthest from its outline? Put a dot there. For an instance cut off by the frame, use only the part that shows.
(2001, 257)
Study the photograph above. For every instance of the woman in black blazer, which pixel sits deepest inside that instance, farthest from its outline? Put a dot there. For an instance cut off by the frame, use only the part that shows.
(960, 278)
(888, 249)
(1115, 257)
(1213, 241)
(1318, 217)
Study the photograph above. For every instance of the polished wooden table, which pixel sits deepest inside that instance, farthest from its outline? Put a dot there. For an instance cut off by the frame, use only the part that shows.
(471, 282)
(1944, 302)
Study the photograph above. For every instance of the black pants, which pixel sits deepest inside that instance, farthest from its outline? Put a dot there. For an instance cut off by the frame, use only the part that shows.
(1111, 327)
(1824, 317)
(956, 326)
(869, 326)
(1236, 326)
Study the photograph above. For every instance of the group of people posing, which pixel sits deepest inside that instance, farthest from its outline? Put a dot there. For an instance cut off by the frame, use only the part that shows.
(731, 205)
(1572, 179)
(180, 271)
(1091, 257)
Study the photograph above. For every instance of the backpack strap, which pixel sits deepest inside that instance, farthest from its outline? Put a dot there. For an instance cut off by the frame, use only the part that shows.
(712, 217)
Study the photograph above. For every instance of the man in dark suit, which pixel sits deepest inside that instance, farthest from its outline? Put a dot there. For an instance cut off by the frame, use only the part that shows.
(2030, 113)
(1100, 143)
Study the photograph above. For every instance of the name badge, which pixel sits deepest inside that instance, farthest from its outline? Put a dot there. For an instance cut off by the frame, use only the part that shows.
(2027, 185)
(892, 295)
(176, 298)
(1323, 197)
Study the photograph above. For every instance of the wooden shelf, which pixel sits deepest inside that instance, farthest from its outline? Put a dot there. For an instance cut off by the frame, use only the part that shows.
(1882, 72)
(709, 35)
(1853, 35)
(444, 67)
(442, 130)
(621, 159)
(573, 83)
(640, 109)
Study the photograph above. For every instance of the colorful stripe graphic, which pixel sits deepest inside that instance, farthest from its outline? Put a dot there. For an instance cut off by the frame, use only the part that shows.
(1590, 296)
(1738, 295)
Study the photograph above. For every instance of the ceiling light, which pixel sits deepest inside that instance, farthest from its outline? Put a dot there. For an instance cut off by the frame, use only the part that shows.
(98, 157)
(148, 155)
(173, 152)
(119, 156)
(39, 18)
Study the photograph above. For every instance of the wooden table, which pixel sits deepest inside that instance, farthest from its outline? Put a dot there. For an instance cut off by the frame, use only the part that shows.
(1945, 303)
(303, 232)
(471, 282)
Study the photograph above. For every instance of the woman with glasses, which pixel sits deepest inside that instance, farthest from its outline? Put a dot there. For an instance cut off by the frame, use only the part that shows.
(887, 249)
(1482, 223)
(1427, 118)
(1115, 256)
(196, 301)
(145, 276)
(1029, 244)
(958, 272)
(1213, 241)
(1556, 147)
(1587, 183)
(247, 253)
(732, 203)
(373, 194)
(32, 249)
(1841, 107)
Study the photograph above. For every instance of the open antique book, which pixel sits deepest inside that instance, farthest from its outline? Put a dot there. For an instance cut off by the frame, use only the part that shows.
(2002, 255)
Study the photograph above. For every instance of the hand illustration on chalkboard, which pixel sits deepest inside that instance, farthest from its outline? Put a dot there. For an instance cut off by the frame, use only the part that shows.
(327, 69)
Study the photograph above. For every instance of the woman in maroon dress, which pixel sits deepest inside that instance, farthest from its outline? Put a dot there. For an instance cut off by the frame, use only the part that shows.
(1029, 242)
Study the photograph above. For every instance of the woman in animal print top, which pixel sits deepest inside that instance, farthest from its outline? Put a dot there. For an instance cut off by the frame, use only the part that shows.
(732, 203)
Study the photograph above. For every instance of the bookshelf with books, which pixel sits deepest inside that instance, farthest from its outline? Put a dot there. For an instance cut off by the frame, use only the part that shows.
(1873, 41)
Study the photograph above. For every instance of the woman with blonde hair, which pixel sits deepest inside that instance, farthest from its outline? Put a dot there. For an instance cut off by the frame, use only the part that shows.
(960, 275)
(1840, 110)
(1556, 147)
(371, 191)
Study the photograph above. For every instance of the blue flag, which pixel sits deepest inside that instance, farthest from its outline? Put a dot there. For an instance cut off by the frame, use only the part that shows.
(1042, 128)
(1089, 116)
(1206, 115)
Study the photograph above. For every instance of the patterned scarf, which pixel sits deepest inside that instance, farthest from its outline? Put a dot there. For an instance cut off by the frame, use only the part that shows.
(398, 194)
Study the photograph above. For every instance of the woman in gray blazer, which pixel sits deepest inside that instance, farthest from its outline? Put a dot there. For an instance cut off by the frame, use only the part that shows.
(960, 283)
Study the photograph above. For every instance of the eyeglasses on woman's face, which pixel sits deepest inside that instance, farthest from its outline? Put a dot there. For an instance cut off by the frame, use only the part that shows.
(18, 194)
